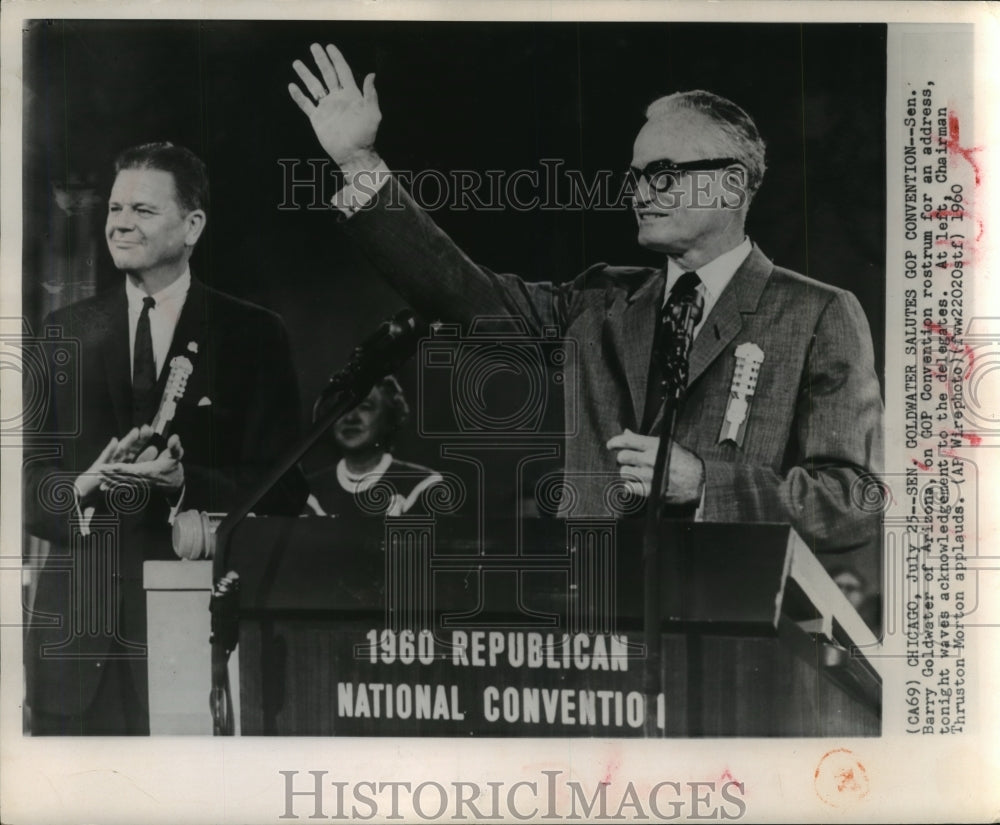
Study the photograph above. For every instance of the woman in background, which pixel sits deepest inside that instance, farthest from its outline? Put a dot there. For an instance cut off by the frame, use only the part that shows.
(368, 479)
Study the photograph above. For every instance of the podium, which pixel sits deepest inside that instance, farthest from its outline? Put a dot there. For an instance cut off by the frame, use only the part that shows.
(177, 600)
(448, 627)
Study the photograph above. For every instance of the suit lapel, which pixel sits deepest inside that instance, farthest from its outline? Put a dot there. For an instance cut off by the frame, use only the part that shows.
(629, 327)
(740, 297)
(191, 326)
(117, 359)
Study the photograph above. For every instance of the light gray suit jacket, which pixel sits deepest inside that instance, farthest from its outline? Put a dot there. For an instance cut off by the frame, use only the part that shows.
(814, 434)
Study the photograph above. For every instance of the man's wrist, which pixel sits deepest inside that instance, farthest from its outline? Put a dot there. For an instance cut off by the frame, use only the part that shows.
(175, 492)
(360, 188)
(84, 489)
(366, 160)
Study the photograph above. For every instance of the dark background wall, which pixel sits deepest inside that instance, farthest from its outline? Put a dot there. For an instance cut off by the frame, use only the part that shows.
(454, 96)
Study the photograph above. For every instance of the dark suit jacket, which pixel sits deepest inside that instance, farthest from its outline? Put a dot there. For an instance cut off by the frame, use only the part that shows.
(239, 412)
(814, 431)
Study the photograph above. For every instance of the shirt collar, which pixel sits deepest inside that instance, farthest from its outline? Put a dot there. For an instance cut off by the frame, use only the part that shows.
(717, 274)
(174, 292)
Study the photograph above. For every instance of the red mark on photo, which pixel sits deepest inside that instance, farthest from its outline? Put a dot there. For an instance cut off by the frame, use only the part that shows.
(611, 770)
(966, 252)
(955, 147)
(953, 345)
(840, 778)
(954, 212)
(946, 213)
(921, 464)
(973, 439)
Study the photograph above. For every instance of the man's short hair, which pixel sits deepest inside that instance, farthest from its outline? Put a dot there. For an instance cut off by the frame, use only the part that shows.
(737, 128)
(188, 170)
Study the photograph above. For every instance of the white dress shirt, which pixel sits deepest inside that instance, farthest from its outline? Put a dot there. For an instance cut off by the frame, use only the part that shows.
(360, 189)
(715, 277)
(162, 324)
(162, 317)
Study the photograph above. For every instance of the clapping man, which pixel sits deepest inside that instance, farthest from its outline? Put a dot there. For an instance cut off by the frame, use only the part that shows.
(239, 409)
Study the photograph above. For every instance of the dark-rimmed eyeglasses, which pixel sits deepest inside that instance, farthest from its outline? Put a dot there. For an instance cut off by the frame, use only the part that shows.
(662, 175)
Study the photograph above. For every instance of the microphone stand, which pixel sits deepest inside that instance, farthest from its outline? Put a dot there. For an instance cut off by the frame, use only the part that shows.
(677, 352)
(379, 355)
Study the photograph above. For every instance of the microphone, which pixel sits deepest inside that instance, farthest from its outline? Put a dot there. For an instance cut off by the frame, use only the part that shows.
(677, 349)
(675, 354)
(380, 354)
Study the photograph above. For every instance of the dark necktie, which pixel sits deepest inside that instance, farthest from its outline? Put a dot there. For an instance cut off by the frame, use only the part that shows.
(143, 368)
(668, 360)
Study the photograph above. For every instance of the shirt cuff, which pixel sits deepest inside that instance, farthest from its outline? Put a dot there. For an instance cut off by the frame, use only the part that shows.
(83, 514)
(176, 508)
(360, 189)
(313, 504)
(83, 517)
(699, 513)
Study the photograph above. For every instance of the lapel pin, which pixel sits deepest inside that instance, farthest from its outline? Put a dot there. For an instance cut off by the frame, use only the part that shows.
(749, 357)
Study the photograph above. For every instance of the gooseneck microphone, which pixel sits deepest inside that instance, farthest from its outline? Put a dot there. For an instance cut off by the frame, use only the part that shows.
(683, 309)
(380, 354)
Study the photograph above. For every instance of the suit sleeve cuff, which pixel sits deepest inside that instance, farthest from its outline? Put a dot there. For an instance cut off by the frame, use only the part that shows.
(360, 189)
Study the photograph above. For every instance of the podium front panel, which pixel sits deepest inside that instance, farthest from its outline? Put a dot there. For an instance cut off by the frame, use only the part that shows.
(446, 628)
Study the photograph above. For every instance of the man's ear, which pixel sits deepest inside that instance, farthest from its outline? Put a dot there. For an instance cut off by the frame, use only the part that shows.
(735, 187)
(195, 222)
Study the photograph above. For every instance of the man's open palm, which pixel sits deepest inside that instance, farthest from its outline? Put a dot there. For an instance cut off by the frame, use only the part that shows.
(344, 118)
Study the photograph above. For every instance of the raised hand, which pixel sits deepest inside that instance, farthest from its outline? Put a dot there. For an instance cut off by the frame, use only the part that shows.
(344, 118)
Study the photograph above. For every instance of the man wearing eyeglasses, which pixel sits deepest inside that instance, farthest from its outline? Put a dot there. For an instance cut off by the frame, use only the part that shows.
(782, 418)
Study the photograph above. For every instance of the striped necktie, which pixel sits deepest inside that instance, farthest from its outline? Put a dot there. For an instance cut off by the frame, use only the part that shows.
(668, 362)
